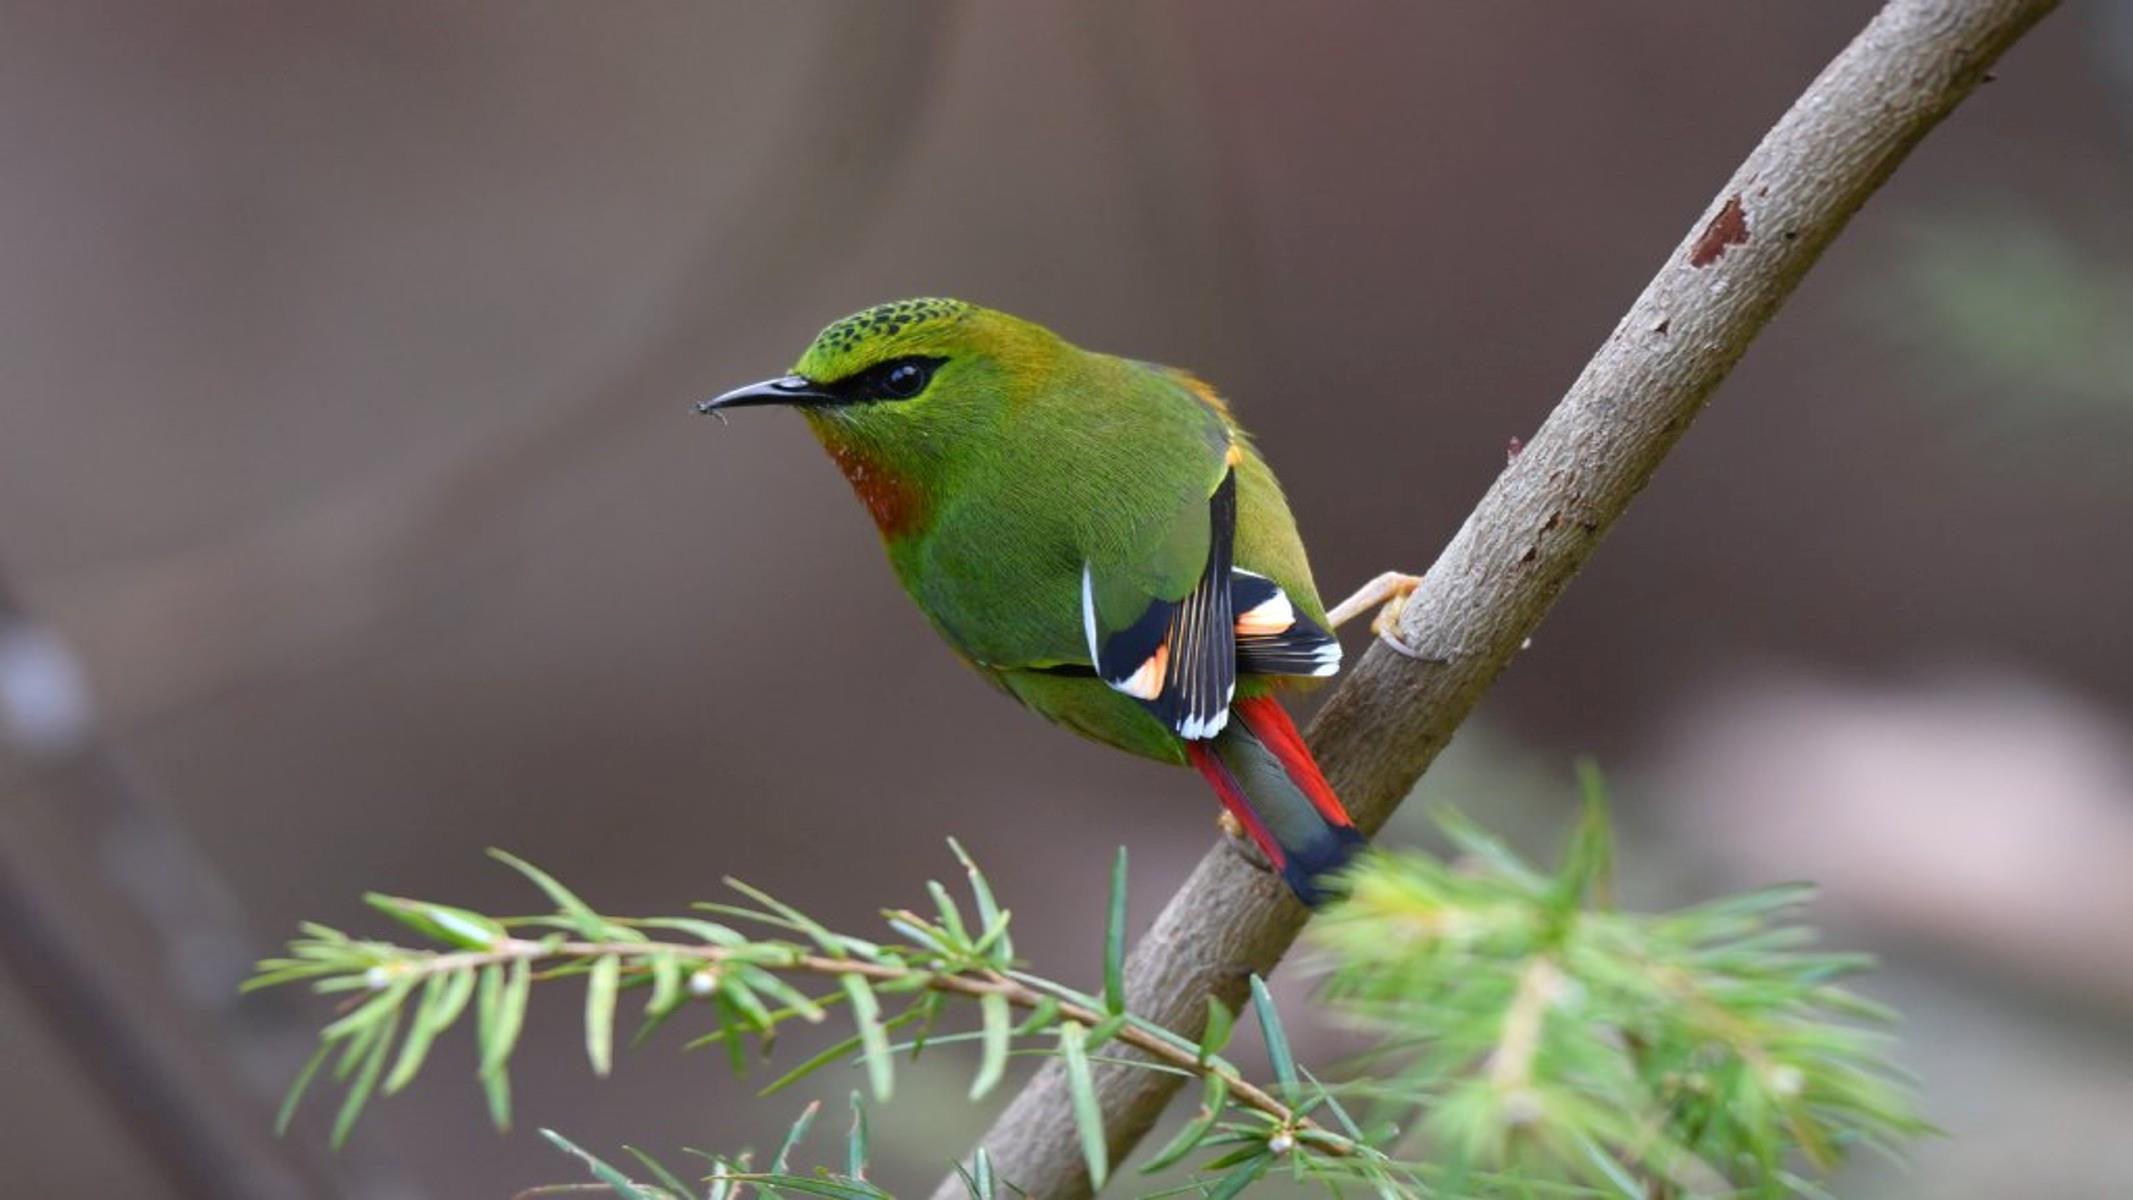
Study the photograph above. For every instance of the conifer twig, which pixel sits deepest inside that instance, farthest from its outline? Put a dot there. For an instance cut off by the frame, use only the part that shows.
(1602, 1039)
(1537, 525)
(1018, 994)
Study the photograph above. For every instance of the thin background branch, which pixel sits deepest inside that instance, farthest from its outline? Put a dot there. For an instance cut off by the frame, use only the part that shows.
(1537, 525)
(183, 1110)
(332, 580)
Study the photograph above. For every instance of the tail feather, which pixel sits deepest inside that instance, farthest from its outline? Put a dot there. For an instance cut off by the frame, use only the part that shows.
(1270, 723)
(1267, 779)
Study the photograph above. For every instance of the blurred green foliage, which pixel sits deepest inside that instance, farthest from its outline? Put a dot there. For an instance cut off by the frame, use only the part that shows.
(2009, 312)
(1521, 1022)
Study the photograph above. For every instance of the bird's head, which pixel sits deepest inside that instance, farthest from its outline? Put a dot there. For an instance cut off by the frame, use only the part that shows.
(910, 389)
(907, 361)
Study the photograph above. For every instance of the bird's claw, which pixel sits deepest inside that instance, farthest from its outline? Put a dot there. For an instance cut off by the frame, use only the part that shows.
(1388, 618)
(1387, 593)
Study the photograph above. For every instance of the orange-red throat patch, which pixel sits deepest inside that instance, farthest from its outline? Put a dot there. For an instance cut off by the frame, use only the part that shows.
(897, 506)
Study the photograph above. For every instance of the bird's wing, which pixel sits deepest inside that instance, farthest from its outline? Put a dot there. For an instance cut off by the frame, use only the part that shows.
(1167, 614)
(1158, 615)
(1273, 637)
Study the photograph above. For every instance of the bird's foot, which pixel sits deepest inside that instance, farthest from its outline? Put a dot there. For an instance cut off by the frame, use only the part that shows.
(1388, 594)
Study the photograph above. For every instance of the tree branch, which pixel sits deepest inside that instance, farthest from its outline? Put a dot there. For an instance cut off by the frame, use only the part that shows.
(1537, 525)
(178, 1104)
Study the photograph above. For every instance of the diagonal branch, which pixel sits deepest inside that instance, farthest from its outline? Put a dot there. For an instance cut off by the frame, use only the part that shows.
(1537, 525)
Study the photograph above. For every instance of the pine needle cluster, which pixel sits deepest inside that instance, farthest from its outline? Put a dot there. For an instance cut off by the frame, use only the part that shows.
(1528, 1039)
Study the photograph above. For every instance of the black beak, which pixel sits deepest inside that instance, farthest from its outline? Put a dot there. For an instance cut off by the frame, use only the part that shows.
(790, 389)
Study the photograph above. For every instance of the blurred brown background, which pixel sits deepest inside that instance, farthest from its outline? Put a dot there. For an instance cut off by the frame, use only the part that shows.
(345, 437)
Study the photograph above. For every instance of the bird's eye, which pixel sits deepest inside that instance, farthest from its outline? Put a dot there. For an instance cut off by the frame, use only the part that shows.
(904, 380)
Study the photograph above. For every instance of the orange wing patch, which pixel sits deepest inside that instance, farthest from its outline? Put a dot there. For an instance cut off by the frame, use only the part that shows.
(1270, 616)
(1147, 682)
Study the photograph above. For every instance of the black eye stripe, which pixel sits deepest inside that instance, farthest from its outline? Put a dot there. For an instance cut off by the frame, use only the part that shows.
(897, 379)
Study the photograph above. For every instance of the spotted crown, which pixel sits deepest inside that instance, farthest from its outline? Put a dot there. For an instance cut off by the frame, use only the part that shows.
(887, 320)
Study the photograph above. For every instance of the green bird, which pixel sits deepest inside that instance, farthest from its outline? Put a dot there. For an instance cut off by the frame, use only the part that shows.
(1096, 536)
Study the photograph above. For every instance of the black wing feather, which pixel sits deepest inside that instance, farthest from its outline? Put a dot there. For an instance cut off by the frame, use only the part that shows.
(1303, 647)
(1196, 636)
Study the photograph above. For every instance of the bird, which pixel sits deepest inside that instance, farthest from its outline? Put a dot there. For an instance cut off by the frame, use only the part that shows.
(1100, 539)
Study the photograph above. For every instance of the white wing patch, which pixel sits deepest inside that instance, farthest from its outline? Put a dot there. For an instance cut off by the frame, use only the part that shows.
(1088, 612)
(1328, 658)
(1195, 729)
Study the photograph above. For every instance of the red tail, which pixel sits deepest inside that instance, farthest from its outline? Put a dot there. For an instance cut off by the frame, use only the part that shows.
(1266, 778)
(1270, 723)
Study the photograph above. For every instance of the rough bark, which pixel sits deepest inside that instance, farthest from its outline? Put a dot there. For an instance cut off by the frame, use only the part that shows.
(1537, 525)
